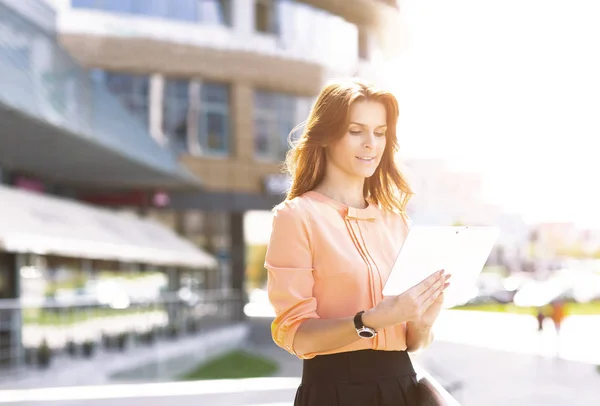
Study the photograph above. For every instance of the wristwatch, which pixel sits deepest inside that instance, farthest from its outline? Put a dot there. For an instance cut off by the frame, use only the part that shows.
(362, 330)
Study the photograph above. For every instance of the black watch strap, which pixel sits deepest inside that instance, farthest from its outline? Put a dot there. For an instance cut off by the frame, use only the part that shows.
(362, 330)
(358, 322)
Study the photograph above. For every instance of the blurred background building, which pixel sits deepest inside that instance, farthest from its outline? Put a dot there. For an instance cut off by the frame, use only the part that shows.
(221, 83)
(137, 133)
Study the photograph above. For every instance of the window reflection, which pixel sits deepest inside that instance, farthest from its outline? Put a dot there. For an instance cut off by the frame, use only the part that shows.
(132, 90)
(265, 16)
(209, 120)
(118, 6)
(263, 132)
(215, 11)
(183, 10)
(213, 118)
(176, 106)
(203, 11)
(301, 26)
(152, 8)
(275, 116)
(85, 3)
(216, 127)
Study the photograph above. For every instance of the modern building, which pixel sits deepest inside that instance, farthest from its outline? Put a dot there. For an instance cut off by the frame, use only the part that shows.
(177, 111)
(63, 136)
(223, 83)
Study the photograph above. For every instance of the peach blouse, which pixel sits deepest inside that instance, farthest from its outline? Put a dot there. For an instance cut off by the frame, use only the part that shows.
(327, 260)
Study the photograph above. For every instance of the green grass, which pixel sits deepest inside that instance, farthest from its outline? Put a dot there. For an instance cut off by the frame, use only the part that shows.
(498, 308)
(234, 365)
(571, 309)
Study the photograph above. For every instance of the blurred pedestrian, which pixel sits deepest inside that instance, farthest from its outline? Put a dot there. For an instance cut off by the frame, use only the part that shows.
(558, 316)
(541, 317)
(333, 243)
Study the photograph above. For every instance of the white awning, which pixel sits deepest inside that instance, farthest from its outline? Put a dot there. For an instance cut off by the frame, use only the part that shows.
(47, 225)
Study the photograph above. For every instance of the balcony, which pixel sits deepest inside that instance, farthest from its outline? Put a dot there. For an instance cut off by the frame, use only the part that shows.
(265, 50)
(63, 126)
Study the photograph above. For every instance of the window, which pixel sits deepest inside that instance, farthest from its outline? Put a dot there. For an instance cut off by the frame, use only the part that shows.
(215, 12)
(363, 44)
(265, 125)
(176, 104)
(199, 110)
(275, 116)
(205, 11)
(132, 90)
(86, 4)
(265, 16)
(118, 6)
(151, 8)
(184, 10)
(286, 109)
(213, 119)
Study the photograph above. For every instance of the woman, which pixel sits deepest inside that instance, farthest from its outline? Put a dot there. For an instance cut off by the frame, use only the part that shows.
(333, 244)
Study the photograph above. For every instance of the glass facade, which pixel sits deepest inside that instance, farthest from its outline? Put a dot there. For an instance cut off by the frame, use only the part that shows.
(275, 116)
(41, 79)
(132, 90)
(302, 27)
(213, 119)
(175, 113)
(197, 114)
(193, 11)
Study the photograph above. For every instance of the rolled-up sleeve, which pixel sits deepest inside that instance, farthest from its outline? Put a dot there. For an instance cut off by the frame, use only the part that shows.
(290, 276)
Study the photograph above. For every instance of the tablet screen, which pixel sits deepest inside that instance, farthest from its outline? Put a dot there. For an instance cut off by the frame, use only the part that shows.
(460, 251)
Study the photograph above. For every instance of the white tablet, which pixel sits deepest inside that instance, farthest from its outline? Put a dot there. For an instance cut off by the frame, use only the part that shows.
(461, 251)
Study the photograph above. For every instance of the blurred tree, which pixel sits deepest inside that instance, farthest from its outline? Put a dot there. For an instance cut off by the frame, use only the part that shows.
(256, 274)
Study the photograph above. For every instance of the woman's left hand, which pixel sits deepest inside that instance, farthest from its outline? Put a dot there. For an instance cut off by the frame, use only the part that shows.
(430, 315)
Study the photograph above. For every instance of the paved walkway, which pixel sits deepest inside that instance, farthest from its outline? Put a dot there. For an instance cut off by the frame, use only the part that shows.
(579, 337)
(498, 378)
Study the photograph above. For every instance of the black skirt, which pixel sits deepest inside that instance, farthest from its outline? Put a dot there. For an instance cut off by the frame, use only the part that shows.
(365, 377)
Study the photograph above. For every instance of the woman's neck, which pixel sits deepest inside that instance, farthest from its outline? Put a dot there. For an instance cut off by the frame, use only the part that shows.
(349, 193)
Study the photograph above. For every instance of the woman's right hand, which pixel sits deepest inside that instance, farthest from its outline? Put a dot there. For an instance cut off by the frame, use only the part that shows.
(408, 306)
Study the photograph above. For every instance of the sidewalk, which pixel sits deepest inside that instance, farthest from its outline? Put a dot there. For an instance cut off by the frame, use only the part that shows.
(499, 378)
(489, 377)
(579, 338)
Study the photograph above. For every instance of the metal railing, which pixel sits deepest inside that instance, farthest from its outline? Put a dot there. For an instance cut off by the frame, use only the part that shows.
(432, 392)
(34, 332)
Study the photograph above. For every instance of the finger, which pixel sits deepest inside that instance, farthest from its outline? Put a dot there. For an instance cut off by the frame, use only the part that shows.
(436, 287)
(443, 283)
(439, 294)
(426, 283)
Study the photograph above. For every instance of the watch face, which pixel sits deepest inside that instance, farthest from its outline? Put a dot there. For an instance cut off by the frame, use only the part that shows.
(366, 333)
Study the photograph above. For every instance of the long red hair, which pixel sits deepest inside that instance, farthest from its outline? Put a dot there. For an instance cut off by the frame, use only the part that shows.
(328, 122)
